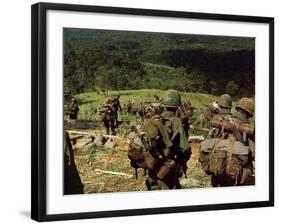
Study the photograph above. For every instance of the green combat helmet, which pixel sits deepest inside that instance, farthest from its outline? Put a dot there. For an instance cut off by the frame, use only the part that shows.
(225, 101)
(172, 99)
(246, 104)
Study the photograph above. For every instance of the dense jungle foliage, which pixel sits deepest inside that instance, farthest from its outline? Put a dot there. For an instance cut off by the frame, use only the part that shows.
(102, 60)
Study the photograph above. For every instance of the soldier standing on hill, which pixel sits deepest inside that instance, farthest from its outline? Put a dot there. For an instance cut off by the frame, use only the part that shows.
(185, 113)
(174, 148)
(244, 111)
(117, 106)
(73, 109)
(223, 113)
(108, 113)
(227, 155)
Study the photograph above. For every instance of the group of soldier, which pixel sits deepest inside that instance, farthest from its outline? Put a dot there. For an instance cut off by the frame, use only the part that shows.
(227, 154)
(161, 147)
(108, 112)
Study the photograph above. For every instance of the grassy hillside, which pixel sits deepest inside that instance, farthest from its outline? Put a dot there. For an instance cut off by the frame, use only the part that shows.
(90, 101)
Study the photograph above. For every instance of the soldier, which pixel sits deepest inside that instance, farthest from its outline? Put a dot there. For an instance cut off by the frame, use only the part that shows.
(72, 109)
(108, 113)
(225, 154)
(244, 111)
(117, 106)
(222, 112)
(174, 150)
(185, 112)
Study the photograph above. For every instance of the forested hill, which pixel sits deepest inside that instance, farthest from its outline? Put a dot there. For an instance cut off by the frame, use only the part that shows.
(117, 60)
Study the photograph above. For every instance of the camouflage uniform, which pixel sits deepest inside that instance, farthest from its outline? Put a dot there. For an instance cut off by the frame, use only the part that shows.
(73, 109)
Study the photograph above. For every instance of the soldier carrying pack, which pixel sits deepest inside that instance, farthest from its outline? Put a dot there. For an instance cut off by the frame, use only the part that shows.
(107, 113)
(227, 154)
(156, 147)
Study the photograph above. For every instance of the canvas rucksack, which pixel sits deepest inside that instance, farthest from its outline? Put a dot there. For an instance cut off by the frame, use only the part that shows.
(150, 145)
(224, 157)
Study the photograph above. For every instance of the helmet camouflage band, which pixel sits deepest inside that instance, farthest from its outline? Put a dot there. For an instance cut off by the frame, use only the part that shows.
(246, 104)
(172, 99)
(225, 101)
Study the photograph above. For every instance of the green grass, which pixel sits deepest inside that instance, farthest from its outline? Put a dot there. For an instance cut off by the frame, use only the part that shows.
(89, 101)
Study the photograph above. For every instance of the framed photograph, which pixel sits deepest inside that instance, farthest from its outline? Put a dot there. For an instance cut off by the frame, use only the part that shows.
(140, 111)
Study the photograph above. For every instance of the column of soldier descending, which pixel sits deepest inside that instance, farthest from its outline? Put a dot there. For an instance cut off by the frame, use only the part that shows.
(227, 155)
(163, 149)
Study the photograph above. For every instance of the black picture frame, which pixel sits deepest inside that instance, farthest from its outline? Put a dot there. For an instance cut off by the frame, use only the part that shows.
(39, 123)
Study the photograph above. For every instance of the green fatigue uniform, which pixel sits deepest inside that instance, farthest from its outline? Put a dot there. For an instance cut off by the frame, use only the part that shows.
(185, 113)
(227, 155)
(116, 106)
(161, 146)
(73, 109)
(222, 113)
(174, 153)
(72, 180)
(108, 114)
(244, 111)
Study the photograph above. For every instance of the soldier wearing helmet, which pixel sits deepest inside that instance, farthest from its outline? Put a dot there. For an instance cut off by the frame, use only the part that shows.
(228, 153)
(221, 114)
(225, 103)
(117, 106)
(244, 111)
(171, 163)
(220, 107)
(107, 113)
(73, 109)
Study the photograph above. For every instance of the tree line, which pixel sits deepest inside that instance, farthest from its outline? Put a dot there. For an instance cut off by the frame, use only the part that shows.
(120, 60)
